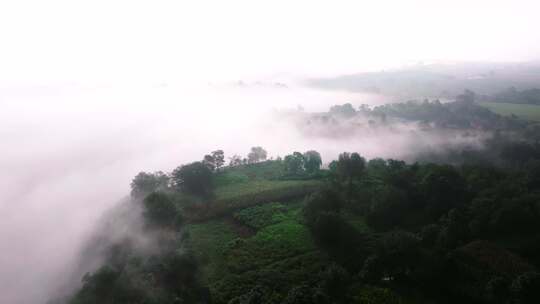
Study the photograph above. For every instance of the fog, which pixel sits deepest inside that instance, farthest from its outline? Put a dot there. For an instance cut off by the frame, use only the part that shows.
(69, 154)
(67, 162)
(92, 94)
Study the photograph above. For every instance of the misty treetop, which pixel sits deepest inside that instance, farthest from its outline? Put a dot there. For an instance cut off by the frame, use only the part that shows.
(194, 178)
(215, 160)
(462, 114)
(144, 183)
(312, 161)
(257, 154)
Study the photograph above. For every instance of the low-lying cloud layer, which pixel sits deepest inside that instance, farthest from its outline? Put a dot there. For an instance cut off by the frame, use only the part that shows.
(69, 154)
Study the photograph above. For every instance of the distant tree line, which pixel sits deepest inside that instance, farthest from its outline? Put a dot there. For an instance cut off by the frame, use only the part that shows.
(512, 95)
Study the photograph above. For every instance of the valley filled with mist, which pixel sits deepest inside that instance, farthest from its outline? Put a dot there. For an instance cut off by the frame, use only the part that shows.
(262, 153)
(62, 179)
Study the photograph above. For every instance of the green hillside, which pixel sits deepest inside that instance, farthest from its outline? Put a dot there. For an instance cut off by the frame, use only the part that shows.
(386, 231)
(523, 111)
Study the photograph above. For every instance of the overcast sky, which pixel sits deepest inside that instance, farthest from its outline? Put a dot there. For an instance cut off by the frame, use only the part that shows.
(100, 41)
(81, 114)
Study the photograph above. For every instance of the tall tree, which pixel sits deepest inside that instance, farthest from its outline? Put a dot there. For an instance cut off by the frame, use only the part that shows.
(235, 160)
(145, 183)
(349, 167)
(312, 161)
(210, 162)
(294, 163)
(257, 154)
(219, 158)
(194, 178)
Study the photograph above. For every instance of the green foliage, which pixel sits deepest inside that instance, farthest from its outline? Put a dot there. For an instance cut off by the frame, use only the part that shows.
(342, 241)
(350, 166)
(334, 280)
(287, 236)
(305, 294)
(195, 178)
(247, 248)
(256, 155)
(519, 153)
(265, 170)
(523, 111)
(321, 202)
(376, 295)
(279, 277)
(145, 183)
(270, 244)
(312, 161)
(107, 285)
(278, 256)
(167, 278)
(258, 188)
(512, 95)
(459, 114)
(357, 221)
(229, 177)
(294, 164)
(261, 216)
(398, 258)
(160, 210)
(209, 242)
(302, 165)
(236, 196)
(215, 160)
(387, 208)
(399, 253)
(258, 294)
(219, 158)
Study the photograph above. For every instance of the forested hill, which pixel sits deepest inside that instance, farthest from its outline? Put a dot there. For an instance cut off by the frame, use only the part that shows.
(290, 230)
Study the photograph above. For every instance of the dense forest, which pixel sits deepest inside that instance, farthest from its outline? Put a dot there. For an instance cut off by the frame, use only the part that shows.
(459, 226)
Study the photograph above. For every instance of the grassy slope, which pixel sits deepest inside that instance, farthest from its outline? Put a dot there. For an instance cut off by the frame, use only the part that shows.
(209, 241)
(235, 191)
(524, 111)
(237, 196)
(248, 185)
(260, 171)
(281, 249)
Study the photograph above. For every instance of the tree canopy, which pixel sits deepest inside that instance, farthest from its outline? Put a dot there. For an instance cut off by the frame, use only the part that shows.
(257, 154)
(195, 178)
(145, 183)
(312, 161)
